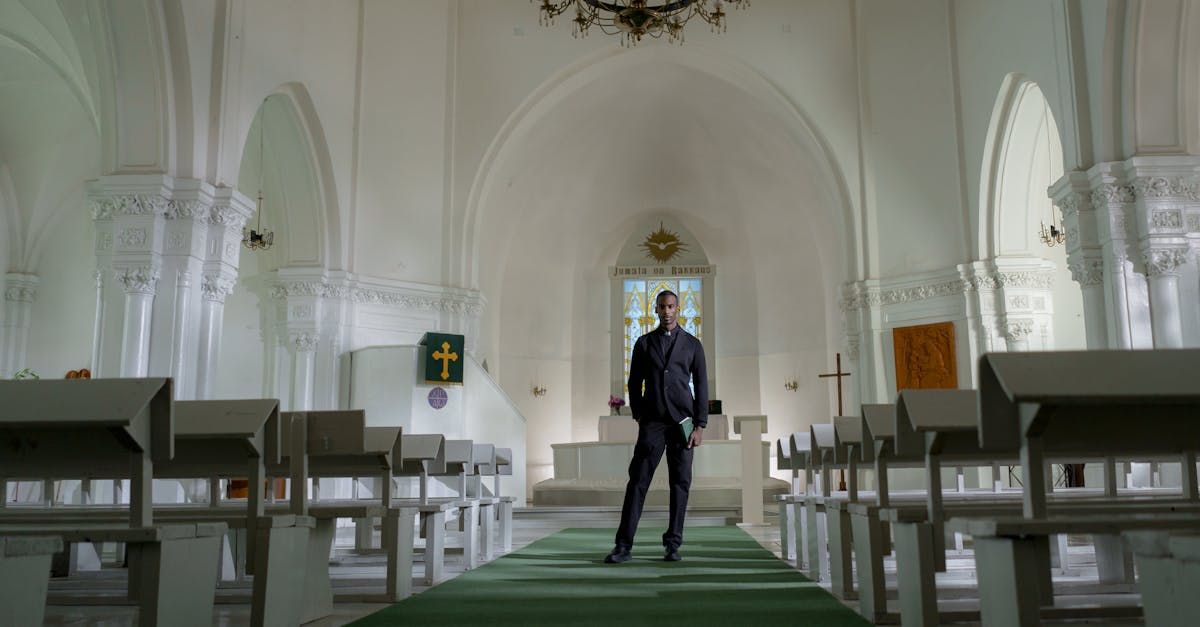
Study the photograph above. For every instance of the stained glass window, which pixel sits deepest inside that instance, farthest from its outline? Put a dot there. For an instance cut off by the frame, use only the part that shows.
(639, 317)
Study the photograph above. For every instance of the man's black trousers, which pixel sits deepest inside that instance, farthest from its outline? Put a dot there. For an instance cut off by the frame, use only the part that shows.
(655, 436)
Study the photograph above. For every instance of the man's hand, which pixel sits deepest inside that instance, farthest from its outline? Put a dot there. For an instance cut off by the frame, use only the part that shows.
(697, 436)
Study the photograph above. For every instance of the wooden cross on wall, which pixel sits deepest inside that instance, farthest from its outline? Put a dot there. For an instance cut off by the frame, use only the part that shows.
(838, 374)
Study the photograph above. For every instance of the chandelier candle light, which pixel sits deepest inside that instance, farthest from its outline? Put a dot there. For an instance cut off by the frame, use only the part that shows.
(634, 19)
(258, 239)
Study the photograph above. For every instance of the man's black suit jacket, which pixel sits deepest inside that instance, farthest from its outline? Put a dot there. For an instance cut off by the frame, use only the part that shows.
(666, 394)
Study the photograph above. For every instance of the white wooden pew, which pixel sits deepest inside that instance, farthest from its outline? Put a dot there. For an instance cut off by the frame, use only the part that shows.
(801, 454)
(425, 455)
(460, 463)
(821, 462)
(24, 577)
(846, 452)
(1076, 403)
(484, 459)
(1168, 572)
(504, 468)
(228, 438)
(337, 443)
(787, 504)
(113, 427)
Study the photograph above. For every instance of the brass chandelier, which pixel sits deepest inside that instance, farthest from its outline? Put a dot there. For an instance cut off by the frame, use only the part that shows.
(259, 238)
(634, 19)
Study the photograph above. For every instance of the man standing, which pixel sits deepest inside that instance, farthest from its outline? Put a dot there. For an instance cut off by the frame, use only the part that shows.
(663, 362)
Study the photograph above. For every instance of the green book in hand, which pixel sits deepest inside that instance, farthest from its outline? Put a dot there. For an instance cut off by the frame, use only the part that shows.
(686, 426)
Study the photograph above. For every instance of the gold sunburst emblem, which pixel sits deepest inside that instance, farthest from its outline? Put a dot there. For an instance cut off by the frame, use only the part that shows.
(663, 245)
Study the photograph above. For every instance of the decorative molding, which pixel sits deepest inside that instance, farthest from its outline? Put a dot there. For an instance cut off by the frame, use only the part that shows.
(1088, 272)
(1165, 188)
(1169, 219)
(304, 342)
(187, 210)
(1020, 301)
(108, 207)
(98, 277)
(852, 346)
(139, 279)
(1111, 193)
(1001, 280)
(132, 237)
(862, 296)
(456, 304)
(1193, 223)
(183, 278)
(228, 217)
(214, 288)
(859, 296)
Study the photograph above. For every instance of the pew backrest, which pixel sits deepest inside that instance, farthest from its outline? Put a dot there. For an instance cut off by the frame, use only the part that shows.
(424, 454)
(1085, 401)
(219, 436)
(783, 454)
(485, 459)
(878, 430)
(847, 432)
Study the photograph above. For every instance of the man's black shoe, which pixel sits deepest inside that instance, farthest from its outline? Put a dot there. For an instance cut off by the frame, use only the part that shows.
(618, 556)
(672, 556)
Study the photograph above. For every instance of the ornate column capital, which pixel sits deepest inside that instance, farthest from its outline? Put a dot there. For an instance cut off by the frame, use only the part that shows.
(1087, 272)
(1017, 330)
(1164, 261)
(304, 341)
(215, 287)
(20, 287)
(139, 279)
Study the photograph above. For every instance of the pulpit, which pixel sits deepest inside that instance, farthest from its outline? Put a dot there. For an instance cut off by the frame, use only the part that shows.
(625, 429)
(595, 473)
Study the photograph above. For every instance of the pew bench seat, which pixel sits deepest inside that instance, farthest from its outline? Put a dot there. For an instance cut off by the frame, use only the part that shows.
(279, 566)
(1011, 556)
(1168, 568)
(915, 547)
(25, 577)
(173, 567)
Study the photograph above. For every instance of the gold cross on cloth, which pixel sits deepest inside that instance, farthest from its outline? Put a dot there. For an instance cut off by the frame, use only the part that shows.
(445, 356)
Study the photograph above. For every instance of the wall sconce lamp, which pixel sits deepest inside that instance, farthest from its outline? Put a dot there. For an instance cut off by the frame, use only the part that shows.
(538, 391)
(791, 385)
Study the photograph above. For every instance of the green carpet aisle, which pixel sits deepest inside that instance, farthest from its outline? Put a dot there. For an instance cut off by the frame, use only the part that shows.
(726, 579)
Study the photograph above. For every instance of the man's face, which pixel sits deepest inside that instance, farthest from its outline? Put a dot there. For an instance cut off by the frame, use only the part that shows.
(667, 310)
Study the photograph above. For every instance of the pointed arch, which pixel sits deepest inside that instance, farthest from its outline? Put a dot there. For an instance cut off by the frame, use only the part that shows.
(1022, 126)
(464, 233)
(309, 224)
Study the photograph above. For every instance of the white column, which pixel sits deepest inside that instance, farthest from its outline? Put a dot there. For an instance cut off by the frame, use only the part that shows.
(213, 290)
(20, 290)
(180, 364)
(303, 347)
(1089, 273)
(1162, 268)
(98, 323)
(139, 283)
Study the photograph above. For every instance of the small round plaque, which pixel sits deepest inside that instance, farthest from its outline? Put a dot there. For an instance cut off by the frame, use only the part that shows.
(438, 398)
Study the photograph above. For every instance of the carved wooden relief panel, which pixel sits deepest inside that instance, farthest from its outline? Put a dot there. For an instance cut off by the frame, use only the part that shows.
(925, 356)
